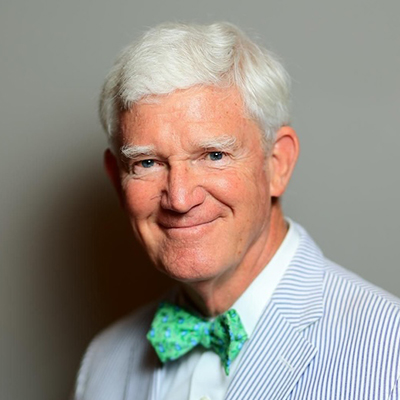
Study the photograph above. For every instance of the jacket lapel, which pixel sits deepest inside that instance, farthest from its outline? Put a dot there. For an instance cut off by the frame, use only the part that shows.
(277, 354)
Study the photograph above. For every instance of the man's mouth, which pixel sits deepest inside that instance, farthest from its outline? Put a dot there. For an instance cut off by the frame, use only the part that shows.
(185, 224)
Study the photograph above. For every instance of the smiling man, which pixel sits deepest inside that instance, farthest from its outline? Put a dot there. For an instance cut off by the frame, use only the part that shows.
(197, 185)
(200, 154)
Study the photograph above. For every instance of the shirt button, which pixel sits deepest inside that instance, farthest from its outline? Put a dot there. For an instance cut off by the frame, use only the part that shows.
(205, 398)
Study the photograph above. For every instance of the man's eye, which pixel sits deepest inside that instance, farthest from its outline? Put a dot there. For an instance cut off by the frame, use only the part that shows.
(147, 163)
(139, 167)
(216, 155)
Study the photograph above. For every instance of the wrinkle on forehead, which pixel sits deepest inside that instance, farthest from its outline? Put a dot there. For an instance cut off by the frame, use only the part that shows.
(186, 118)
(176, 103)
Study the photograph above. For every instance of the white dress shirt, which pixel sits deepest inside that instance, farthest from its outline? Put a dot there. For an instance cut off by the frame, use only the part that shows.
(199, 375)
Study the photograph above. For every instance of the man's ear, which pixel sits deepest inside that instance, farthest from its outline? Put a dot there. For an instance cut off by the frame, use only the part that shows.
(283, 157)
(112, 170)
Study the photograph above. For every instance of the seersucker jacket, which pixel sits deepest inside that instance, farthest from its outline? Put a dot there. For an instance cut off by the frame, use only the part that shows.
(325, 334)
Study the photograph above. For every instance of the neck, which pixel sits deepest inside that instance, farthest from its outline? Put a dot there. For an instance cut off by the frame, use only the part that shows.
(213, 297)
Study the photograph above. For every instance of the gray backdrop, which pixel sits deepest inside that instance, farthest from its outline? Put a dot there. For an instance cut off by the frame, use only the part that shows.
(68, 263)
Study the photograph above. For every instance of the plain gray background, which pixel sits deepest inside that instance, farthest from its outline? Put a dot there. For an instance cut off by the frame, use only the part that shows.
(68, 263)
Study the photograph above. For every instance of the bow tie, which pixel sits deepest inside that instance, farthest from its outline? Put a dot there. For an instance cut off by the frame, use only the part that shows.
(174, 332)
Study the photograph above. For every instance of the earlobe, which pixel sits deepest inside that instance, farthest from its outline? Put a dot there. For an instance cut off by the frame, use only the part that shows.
(112, 170)
(283, 159)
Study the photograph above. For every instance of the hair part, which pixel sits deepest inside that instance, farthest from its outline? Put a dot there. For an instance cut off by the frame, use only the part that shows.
(176, 56)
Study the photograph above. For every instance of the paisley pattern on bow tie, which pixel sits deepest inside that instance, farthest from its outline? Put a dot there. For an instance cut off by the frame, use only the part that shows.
(175, 331)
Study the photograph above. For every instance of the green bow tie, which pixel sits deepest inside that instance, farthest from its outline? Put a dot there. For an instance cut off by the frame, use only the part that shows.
(175, 331)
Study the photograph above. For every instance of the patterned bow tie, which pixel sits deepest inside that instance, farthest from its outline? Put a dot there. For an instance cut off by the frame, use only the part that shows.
(175, 331)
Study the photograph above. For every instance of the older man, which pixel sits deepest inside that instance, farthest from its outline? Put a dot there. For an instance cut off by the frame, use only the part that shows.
(200, 153)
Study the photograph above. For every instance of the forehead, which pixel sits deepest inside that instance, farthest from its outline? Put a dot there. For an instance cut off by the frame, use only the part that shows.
(217, 109)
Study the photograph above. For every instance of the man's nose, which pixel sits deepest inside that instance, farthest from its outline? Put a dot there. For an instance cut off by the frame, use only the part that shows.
(184, 190)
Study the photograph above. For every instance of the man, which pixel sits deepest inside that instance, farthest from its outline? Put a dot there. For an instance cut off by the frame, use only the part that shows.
(200, 153)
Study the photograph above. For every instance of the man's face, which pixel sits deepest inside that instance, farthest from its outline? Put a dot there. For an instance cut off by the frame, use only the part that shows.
(195, 182)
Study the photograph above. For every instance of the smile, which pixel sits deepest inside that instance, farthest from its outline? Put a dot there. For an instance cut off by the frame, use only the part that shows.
(184, 229)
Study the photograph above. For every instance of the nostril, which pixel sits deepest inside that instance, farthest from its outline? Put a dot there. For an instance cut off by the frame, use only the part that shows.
(182, 200)
(183, 191)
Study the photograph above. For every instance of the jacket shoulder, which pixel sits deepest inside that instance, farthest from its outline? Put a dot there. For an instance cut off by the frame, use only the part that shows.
(340, 276)
(364, 321)
(112, 353)
(356, 332)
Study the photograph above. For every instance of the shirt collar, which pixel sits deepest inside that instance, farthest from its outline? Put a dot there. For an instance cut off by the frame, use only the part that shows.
(252, 302)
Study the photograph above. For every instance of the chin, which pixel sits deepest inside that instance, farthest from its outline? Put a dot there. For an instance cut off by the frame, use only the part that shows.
(191, 269)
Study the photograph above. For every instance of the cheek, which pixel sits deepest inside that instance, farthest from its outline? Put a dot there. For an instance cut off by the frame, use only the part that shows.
(141, 199)
(244, 187)
(224, 188)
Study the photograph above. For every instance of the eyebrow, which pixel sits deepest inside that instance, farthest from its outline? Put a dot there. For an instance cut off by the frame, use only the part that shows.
(223, 142)
(133, 151)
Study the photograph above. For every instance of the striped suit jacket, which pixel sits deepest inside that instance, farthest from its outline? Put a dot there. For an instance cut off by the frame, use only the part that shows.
(325, 334)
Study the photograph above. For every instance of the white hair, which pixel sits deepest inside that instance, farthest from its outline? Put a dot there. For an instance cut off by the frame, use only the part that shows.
(178, 56)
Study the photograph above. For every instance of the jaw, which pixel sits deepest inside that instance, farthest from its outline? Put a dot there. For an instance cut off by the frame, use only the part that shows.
(213, 269)
(216, 294)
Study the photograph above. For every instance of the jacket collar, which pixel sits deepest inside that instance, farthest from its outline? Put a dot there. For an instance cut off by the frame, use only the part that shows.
(277, 354)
